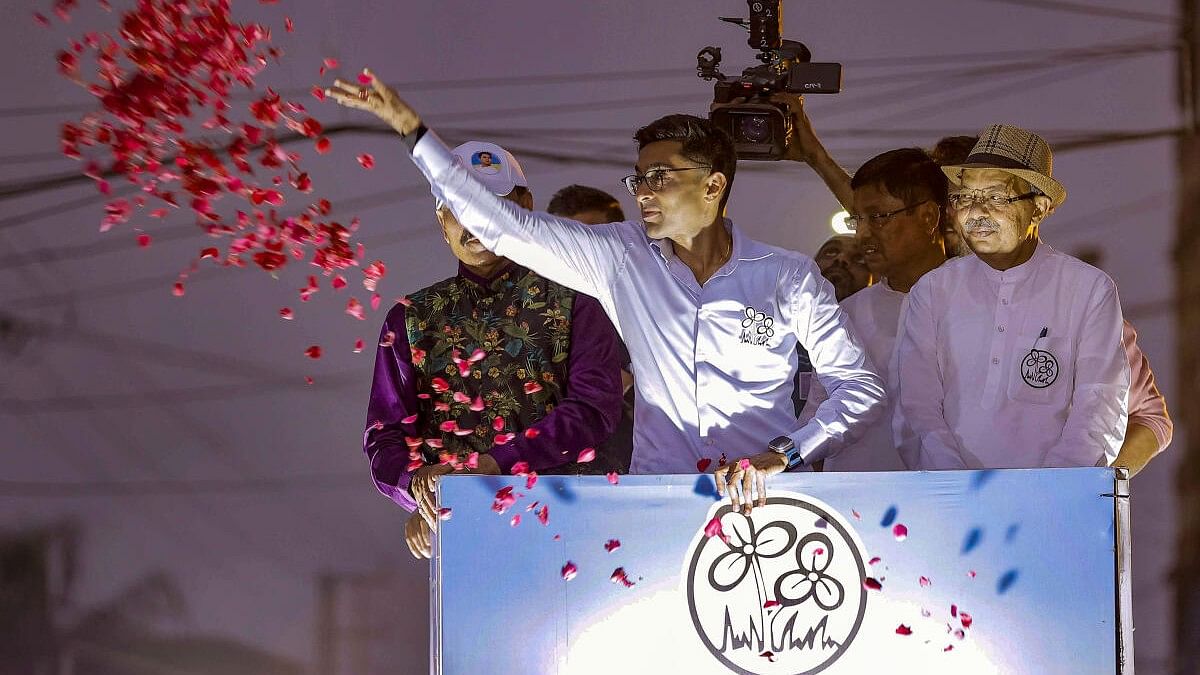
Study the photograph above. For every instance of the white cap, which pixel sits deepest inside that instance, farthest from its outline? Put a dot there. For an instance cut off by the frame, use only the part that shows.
(494, 166)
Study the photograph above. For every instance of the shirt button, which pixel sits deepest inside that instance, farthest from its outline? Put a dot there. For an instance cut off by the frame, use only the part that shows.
(1000, 328)
(995, 361)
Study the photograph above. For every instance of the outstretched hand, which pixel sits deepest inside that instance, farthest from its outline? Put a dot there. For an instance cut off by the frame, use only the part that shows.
(747, 478)
(376, 98)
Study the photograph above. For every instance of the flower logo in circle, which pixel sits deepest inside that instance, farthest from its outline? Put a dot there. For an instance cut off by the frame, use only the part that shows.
(746, 548)
(785, 580)
(814, 555)
(762, 323)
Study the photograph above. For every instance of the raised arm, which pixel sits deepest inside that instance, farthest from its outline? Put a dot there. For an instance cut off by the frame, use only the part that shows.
(804, 146)
(585, 258)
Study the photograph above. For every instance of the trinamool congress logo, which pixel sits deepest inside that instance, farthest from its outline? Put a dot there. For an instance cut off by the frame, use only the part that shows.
(783, 592)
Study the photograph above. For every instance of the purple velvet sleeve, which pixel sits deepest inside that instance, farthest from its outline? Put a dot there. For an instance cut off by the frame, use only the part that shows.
(393, 398)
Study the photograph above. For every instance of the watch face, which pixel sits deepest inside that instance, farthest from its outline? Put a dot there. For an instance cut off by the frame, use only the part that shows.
(781, 444)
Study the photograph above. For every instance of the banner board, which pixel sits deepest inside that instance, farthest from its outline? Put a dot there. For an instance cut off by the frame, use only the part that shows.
(1014, 571)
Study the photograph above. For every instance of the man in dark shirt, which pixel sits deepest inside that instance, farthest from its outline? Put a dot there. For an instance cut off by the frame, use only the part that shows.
(495, 370)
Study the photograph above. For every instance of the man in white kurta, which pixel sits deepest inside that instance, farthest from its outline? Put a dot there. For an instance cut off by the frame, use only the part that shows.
(898, 199)
(1012, 357)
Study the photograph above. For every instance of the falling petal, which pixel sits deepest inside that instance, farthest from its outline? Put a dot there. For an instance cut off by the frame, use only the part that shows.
(900, 532)
(771, 603)
(177, 289)
(323, 145)
(318, 93)
(531, 433)
(409, 420)
(288, 25)
(874, 560)
(531, 480)
(587, 455)
(516, 520)
(358, 346)
(330, 63)
(444, 513)
(612, 545)
(703, 464)
(903, 630)
(532, 387)
(569, 571)
(498, 423)
(389, 339)
(313, 352)
(769, 656)
(872, 584)
(209, 253)
(143, 240)
(519, 468)
(543, 515)
(924, 581)
(743, 464)
(366, 160)
(965, 619)
(971, 573)
(714, 529)
(612, 477)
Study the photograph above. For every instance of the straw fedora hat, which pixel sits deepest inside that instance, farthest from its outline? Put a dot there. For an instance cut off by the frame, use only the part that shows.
(1017, 151)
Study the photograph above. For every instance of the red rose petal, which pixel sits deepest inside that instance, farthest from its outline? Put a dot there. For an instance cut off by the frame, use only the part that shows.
(903, 630)
(900, 531)
(358, 346)
(409, 420)
(285, 313)
(444, 513)
(874, 560)
(516, 520)
(531, 433)
(612, 545)
(543, 515)
(532, 387)
(389, 339)
(924, 581)
(965, 619)
(519, 468)
(313, 352)
(703, 464)
(587, 455)
(288, 25)
(872, 584)
(367, 161)
(569, 571)
(612, 477)
(714, 529)
(323, 145)
(143, 240)
(769, 656)
(771, 603)
(177, 289)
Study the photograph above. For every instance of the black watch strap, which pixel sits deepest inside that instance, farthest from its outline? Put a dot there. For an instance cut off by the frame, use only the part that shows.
(410, 139)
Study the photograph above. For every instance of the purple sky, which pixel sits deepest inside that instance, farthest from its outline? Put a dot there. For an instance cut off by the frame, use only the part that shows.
(210, 386)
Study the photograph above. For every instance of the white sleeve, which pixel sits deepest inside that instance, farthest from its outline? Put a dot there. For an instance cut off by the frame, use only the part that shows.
(855, 394)
(586, 258)
(1095, 425)
(920, 390)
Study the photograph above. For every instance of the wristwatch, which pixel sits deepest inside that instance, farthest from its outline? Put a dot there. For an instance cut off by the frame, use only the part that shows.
(786, 447)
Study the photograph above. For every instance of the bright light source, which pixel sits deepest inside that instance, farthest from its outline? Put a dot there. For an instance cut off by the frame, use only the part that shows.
(838, 223)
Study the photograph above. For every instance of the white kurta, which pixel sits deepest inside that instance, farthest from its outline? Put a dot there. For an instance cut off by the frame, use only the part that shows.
(715, 363)
(1020, 368)
(874, 314)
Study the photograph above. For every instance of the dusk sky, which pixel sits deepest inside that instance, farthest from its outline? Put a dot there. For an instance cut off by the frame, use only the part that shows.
(248, 483)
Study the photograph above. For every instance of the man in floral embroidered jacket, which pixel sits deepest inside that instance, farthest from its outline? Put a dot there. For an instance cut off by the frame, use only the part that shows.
(494, 370)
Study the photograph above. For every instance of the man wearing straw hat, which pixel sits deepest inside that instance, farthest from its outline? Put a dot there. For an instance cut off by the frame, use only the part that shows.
(1011, 357)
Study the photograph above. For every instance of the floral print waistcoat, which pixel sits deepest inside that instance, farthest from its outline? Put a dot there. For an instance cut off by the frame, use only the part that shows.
(502, 347)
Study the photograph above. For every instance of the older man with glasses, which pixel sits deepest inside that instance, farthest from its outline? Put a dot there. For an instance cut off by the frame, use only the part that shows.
(712, 318)
(1012, 357)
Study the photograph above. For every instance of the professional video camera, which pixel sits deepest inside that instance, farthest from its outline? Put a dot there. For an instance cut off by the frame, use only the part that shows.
(759, 127)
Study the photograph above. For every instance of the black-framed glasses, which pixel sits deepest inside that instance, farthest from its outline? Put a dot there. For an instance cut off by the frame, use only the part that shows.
(653, 178)
(990, 200)
(878, 220)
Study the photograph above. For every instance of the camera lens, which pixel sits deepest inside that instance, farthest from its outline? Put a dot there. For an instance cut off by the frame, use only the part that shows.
(753, 129)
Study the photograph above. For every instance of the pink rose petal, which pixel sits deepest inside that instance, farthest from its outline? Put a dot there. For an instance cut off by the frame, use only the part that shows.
(587, 455)
(612, 477)
(900, 531)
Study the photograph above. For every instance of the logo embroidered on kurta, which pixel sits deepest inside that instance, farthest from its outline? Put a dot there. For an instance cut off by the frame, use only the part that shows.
(757, 327)
(1039, 369)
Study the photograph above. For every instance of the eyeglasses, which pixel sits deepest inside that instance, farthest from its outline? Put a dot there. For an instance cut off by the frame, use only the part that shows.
(991, 200)
(653, 178)
(878, 220)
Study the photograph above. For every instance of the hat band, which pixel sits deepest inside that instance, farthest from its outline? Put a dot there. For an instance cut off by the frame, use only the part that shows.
(998, 161)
